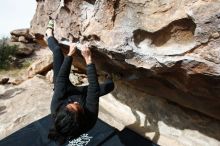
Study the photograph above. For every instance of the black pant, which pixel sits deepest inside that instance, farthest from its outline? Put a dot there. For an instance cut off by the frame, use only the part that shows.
(58, 58)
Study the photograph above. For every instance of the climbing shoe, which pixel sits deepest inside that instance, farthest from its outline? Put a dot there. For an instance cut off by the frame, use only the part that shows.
(50, 24)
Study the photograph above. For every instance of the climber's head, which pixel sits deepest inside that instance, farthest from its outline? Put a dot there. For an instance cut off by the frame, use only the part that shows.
(68, 121)
(74, 107)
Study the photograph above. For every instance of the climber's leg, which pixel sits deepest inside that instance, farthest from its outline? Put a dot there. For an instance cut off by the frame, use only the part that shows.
(57, 52)
(105, 88)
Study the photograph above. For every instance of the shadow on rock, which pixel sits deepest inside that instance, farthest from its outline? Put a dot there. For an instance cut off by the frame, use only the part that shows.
(150, 126)
(11, 93)
(2, 110)
(153, 114)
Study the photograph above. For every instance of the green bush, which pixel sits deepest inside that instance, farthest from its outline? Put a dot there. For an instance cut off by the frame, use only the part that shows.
(6, 53)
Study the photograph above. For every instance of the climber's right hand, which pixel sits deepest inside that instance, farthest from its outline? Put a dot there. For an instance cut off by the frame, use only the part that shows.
(86, 53)
(72, 49)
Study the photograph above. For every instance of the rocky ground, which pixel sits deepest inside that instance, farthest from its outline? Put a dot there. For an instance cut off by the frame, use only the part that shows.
(24, 103)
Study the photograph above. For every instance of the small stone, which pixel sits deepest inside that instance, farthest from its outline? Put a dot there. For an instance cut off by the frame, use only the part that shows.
(40, 66)
(215, 35)
(49, 76)
(4, 81)
(22, 39)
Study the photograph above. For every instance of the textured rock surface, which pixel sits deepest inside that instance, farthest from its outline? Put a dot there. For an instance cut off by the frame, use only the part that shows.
(40, 66)
(21, 35)
(23, 104)
(153, 117)
(165, 48)
(23, 49)
(157, 119)
(24, 41)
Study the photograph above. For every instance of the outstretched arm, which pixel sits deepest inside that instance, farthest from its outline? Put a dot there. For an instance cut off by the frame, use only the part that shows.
(63, 75)
(92, 99)
(62, 80)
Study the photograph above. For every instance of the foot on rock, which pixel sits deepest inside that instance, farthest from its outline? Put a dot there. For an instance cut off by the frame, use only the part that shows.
(50, 27)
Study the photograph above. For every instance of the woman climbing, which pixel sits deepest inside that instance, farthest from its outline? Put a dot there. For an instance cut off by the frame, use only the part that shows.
(74, 109)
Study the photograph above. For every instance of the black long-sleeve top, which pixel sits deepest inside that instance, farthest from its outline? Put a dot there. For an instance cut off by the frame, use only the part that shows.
(89, 101)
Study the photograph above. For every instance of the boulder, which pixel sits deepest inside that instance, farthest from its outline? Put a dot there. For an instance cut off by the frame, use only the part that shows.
(172, 46)
(41, 66)
(22, 39)
(167, 49)
(154, 117)
(23, 49)
(22, 104)
(20, 32)
(23, 35)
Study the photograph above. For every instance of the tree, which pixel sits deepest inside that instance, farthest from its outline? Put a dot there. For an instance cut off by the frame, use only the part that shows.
(6, 53)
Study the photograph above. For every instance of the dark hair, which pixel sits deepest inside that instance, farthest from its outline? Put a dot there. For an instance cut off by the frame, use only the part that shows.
(67, 124)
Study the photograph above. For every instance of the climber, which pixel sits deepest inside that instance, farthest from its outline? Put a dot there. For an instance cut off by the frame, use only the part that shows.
(74, 109)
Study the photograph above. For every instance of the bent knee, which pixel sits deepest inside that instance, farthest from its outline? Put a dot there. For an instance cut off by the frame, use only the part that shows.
(110, 85)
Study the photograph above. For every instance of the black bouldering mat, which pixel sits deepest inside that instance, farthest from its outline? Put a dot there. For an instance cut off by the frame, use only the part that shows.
(102, 134)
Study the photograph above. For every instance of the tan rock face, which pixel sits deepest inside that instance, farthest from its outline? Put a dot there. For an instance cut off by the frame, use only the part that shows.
(157, 119)
(41, 66)
(20, 32)
(49, 76)
(22, 104)
(23, 49)
(24, 41)
(165, 48)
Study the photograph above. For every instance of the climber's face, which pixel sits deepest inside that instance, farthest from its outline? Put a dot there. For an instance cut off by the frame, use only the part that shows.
(74, 107)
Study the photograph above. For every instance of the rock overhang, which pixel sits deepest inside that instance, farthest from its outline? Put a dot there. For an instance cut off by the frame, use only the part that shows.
(172, 46)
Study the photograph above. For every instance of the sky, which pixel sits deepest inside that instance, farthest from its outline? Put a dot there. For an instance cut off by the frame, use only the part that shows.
(15, 14)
